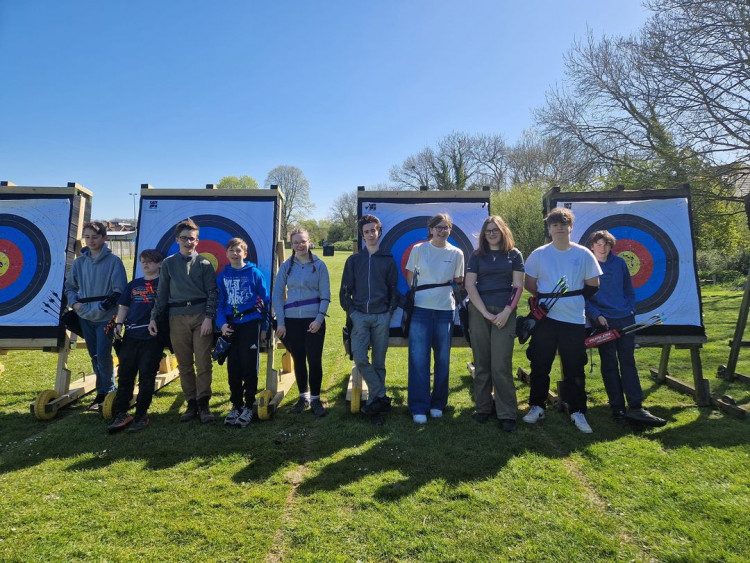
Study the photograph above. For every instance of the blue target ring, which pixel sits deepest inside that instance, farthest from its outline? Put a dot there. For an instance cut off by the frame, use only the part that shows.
(25, 262)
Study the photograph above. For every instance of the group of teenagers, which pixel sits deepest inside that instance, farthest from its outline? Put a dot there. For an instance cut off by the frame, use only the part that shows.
(181, 295)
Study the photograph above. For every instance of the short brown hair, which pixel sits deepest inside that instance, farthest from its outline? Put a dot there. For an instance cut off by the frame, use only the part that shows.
(435, 220)
(236, 241)
(366, 219)
(185, 225)
(599, 235)
(151, 255)
(560, 215)
(95, 226)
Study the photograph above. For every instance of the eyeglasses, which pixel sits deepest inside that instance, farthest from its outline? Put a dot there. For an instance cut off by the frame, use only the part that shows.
(441, 228)
(491, 231)
(187, 239)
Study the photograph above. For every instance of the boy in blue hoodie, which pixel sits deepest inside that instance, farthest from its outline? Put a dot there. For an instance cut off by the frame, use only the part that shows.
(93, 286)
(243, 300)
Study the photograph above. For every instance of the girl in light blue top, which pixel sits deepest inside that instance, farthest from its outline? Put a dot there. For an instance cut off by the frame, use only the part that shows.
(301, 317)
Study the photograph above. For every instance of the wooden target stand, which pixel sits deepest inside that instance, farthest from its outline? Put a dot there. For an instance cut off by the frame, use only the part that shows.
(278, 381)
(357, 392)
(700, 388)
(48, 402)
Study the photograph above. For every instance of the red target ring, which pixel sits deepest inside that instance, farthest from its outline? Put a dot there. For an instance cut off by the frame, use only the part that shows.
(11, 263)
(639, 260)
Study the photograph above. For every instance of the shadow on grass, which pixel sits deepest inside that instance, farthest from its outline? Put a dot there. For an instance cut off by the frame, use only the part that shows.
(341, 449)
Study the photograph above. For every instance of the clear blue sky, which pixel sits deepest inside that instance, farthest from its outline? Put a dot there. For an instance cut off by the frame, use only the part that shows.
(178, 93)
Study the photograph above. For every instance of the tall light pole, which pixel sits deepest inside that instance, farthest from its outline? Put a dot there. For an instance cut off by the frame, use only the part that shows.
(135, 213)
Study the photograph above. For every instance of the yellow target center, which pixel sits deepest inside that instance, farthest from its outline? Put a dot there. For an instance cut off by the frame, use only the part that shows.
(4, 263)
(634, 264)
(211, 258)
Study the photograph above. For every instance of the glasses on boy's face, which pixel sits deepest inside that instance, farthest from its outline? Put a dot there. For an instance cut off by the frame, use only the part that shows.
(187, 239)
(443, 228)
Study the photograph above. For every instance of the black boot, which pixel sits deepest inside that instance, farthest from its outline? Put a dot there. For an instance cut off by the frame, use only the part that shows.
(205, 414)
(191, 412)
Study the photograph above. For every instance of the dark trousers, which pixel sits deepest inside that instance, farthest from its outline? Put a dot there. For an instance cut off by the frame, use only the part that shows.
(619, 372)
(140, 357)
(567, 339)
(242, 364)
(306, 349)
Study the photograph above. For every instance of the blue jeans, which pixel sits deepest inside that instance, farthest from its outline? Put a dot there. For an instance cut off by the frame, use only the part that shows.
(100, 349)
(371, 329)
(619, 373)
(431, 330)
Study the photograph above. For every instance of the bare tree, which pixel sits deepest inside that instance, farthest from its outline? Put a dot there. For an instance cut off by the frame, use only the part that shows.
(238, 182)
(344, 212)
(672, 102)
(292, 182)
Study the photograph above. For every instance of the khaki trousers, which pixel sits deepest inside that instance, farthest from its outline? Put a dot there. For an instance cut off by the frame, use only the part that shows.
(193, 353)
(493, 363)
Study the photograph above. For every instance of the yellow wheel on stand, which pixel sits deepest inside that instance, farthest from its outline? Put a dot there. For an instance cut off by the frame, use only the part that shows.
(40, 405)
(108, 405)
(265, 409)
(356, 400)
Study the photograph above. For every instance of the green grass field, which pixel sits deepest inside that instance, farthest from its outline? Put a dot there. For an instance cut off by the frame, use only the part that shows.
(339, 489)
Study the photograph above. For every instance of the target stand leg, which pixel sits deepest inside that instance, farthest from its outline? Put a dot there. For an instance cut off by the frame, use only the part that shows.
(356, 391)
(523, 375)
(278, 383)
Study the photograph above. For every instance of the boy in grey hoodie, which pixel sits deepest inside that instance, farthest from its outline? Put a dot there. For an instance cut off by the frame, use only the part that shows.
(93, 286)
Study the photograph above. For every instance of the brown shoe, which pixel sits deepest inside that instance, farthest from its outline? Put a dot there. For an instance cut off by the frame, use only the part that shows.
(191, 412)
(205, 414)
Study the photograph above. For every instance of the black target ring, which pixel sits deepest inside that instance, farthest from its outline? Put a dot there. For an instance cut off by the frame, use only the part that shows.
(654, 240)
(217, 230)
(19, 237)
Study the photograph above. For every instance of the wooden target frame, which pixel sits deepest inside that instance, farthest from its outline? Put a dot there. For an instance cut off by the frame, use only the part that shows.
(677, 260)
(221, 214)
(67, 209)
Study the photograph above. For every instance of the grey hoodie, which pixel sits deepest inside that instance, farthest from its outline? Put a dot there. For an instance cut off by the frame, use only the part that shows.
(94, 277)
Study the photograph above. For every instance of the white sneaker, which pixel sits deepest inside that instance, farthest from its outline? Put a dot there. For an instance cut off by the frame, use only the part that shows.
(231, 419)
(534, 415)
(420, 418)
(436, 413)
(579, 419)
(245, 417)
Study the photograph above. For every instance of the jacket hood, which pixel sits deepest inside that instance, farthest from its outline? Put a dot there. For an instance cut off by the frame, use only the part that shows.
(248, 266)
(86, 251)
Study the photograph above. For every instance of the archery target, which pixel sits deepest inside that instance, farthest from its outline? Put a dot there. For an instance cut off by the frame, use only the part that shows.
(219, 220)
(33, 239)
(650, 254)
(405, 225)
(654, 237)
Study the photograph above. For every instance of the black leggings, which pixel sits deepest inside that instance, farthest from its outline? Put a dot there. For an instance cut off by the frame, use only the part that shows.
(306, 349)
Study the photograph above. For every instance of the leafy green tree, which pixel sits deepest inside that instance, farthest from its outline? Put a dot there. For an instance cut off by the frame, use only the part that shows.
(522, 210)
(238, 183)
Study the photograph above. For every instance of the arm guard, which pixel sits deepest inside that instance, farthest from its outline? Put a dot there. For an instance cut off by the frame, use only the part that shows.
(515, 296)
(589, 291)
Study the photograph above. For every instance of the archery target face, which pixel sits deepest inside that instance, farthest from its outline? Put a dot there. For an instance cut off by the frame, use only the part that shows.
(33, 239)
(654, 237)
(219, 221)
(405, 225)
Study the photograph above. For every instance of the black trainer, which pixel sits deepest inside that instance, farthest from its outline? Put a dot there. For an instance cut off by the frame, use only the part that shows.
(122, 419)
(301, 404)
(378, 406)
(96, 404)
(318, 409)
(508, 425)
(481, 417)
(618, 415)
(642, 416)
(139, 424)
